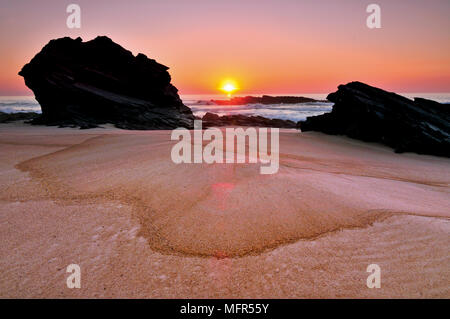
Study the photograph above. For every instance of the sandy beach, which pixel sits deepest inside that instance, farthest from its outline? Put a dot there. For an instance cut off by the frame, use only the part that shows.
(141, 226)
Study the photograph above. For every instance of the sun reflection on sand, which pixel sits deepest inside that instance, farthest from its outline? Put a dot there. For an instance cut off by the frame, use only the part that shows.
(221, 192)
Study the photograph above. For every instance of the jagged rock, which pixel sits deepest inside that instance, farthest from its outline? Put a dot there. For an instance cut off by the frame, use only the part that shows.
(98, 81)
(371, 114)
(211, 119)
(265, 99)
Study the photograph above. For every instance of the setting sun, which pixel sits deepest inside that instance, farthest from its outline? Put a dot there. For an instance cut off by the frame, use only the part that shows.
(228, 87)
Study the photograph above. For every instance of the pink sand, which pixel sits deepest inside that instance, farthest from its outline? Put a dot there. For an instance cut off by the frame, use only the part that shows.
(138, 225)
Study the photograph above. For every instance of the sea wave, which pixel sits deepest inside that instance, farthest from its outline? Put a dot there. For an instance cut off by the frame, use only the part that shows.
(19, 104)
(293, 112)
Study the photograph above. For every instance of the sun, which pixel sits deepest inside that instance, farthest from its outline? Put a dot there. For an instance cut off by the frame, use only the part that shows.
(228, 86)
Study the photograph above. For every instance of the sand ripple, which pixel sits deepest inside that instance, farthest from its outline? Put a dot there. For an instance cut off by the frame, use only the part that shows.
(324, 184)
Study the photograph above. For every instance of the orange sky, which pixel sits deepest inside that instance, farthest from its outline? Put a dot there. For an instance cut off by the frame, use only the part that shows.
(289, 46)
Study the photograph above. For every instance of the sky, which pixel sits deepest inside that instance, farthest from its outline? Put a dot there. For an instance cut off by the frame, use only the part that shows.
(277, 46)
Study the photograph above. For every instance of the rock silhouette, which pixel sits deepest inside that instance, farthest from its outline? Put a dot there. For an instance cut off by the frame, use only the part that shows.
(20, 116)
(265, 99)
(211, 119)
(95, 82)
(370, 114)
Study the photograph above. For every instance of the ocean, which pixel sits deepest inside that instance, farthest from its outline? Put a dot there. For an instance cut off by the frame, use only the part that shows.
(200, 104)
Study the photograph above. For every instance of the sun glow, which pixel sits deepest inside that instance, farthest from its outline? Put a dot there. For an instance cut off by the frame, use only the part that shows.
(228, 86)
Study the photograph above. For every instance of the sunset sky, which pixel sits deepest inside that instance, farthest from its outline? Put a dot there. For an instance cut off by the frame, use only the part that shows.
(284, 46)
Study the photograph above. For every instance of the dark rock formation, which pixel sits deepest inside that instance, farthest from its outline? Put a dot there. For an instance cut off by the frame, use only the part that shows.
(211, 119)
(21, 116)
(265, 99)
(95, 82)
(371, 114)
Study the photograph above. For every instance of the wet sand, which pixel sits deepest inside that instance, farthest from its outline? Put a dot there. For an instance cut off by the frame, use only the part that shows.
(139, 225)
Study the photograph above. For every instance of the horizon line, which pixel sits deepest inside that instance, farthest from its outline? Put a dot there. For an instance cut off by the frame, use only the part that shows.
(264, 93)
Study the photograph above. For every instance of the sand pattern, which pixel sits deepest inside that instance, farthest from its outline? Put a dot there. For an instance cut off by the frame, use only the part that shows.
(146, 227)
